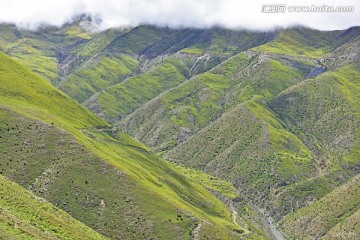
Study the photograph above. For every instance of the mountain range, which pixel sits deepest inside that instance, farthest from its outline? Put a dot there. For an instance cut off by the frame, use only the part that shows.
(157, 133)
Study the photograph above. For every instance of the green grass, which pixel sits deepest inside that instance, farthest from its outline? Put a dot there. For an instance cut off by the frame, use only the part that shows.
(76, 30)
(26, 216)
(29, 94)
(230, 43)
(196, 103)
(200, 96)
(256, 122)
(225, 188)
(7, 35)
(330, 113)
(193, 50)
(40, 50)
(320, 112)
(231, 152)
(54, 165)
(346, 229)
(227, 138)
(98, 43)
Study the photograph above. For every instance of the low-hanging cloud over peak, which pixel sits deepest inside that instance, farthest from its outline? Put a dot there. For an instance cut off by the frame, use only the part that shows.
(255, 15)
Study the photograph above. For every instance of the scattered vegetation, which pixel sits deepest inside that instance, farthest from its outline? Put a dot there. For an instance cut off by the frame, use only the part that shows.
(26, 216)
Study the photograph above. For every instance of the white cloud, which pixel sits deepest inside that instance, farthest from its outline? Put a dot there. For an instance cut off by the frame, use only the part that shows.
(177, 13)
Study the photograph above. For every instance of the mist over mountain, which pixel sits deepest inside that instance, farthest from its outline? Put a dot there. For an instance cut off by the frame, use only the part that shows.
(181, 13)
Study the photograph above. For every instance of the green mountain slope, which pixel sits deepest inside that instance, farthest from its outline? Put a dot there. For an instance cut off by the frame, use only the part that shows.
(301, 41)
(265, 121)
(107, 180)
(337, 210)
(100, 71)
(26, 216)
(41, 50)
(123, 98)
(195, 51)
(82, 63)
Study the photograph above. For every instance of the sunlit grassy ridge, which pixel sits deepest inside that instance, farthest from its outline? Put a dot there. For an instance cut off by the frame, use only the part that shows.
(349, 80)
(330, 97)
(29, 51)
(196, 103)
(227, 138)
(150, 46)
(26, 216)
(156, 184)
(28, 93)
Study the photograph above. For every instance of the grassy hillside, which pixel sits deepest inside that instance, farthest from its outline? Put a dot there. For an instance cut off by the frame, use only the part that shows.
(122, 99)
(26, 216)
(100, 72)
(80, 169)
(337, 210)
(274, 113)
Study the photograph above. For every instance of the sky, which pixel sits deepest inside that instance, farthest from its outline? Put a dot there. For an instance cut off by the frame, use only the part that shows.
(253, 15)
